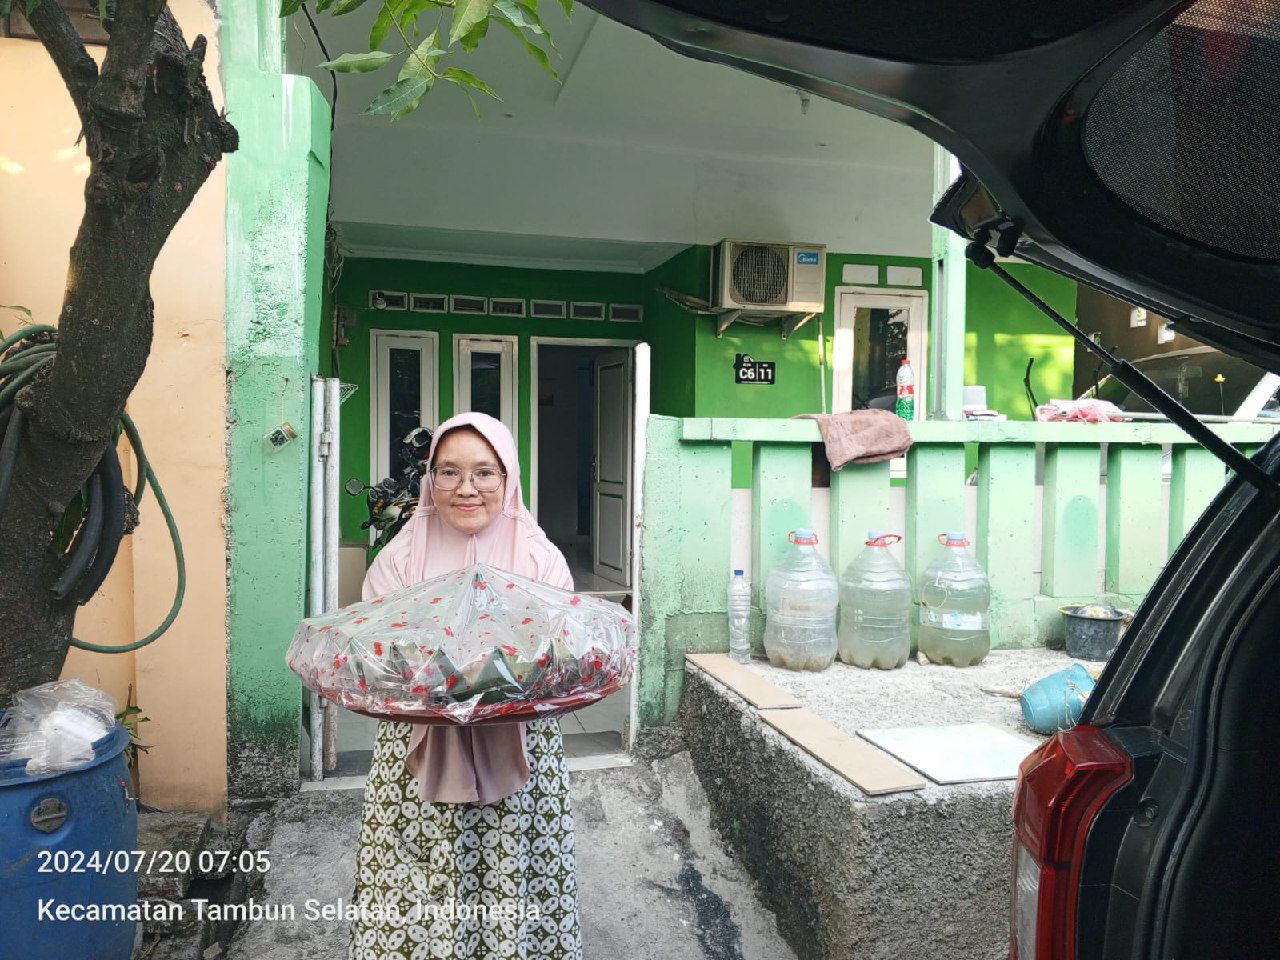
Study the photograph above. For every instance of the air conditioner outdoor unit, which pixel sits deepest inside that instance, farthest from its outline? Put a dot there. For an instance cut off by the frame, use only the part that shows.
(771, 279)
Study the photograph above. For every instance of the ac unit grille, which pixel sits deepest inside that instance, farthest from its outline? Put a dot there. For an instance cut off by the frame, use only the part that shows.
(759, 273)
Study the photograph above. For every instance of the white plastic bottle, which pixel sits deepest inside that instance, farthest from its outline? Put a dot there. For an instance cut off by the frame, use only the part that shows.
(906, 404)
(739, 617)
(801, 596)
(955, 600)
(875, 607)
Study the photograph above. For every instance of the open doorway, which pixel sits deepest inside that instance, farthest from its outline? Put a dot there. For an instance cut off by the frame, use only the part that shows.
(583, 459)
(587, 402)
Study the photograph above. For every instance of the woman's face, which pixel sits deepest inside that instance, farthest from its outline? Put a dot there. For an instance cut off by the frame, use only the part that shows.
(465, 508)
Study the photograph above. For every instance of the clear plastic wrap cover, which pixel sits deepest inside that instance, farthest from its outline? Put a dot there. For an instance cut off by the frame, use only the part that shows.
(476, 645)
(55, 725)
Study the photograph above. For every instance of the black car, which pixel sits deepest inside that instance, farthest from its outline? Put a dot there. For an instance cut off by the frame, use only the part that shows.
(1133, 145)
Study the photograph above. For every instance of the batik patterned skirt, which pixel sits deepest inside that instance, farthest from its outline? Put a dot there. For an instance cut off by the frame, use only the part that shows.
(466, 881)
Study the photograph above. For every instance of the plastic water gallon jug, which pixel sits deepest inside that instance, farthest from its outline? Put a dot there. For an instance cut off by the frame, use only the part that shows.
(955, 598)
(875, 607)
(801, 596)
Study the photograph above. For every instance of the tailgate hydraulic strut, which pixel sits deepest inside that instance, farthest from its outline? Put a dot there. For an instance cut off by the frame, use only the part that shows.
(1133, 378)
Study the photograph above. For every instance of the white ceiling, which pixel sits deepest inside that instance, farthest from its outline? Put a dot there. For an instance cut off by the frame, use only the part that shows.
(636, 152)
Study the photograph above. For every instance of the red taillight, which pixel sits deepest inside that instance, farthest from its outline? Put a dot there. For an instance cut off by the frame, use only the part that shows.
(1061, 787)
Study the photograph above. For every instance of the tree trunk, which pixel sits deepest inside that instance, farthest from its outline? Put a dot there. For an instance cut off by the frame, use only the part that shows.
(153, 137)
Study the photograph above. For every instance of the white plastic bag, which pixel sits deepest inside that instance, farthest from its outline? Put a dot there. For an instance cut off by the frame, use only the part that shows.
(55, 726)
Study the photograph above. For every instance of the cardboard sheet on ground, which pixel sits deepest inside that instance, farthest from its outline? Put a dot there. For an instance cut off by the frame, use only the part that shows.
(961, 753)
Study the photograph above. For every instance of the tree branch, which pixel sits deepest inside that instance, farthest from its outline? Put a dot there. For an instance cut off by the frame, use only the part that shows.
(79, 70)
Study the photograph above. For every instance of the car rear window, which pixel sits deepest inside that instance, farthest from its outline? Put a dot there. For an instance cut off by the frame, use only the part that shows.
(1187, 130)
(1209, 384)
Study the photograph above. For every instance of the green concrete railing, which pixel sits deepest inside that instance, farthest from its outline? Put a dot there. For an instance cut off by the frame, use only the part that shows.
(686, 530)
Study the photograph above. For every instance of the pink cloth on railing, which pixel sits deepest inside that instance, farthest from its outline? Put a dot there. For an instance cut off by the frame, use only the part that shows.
(861, 436)
(1084, 411)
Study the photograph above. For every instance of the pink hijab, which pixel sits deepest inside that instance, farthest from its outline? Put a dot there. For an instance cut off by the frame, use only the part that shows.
(469, 764)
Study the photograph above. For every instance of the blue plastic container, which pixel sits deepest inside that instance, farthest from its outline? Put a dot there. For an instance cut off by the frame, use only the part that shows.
(1056, 702)
(37, 864)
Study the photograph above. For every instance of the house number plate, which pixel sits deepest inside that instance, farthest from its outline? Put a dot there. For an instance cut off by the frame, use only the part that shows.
(747, 370)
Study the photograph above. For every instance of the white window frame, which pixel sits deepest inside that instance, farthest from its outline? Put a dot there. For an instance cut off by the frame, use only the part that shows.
(508, 349)
(847, 300)
(381, 343)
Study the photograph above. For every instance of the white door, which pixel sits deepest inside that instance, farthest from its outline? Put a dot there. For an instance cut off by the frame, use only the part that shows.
(611, 466)
(403, 380)
(874, 331)
(484, 378)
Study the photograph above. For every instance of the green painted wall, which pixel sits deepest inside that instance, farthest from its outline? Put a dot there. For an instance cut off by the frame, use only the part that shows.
(672, 331)
(1002, 331)
(277, 194)
(360, 276)
(797, 389)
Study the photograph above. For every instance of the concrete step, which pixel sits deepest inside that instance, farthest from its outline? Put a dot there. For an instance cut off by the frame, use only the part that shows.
(172, 841)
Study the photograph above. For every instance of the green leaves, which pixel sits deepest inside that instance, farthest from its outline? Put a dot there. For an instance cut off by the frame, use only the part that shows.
(531, 48)
(464, 79)
(358, 62)
(397, 13)
(526, 18)
(421, 64)
(467, 15)
(400, 98)
(472, 40)
(422, 60)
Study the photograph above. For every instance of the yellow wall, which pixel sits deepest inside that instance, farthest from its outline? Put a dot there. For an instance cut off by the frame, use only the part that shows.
(179, 406)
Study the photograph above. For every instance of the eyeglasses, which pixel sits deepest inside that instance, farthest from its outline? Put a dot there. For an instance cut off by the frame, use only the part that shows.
(485, 480)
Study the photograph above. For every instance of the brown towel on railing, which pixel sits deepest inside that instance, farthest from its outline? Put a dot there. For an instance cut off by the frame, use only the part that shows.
(863, 436)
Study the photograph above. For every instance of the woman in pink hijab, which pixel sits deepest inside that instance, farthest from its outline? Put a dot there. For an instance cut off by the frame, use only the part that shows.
(467, 840)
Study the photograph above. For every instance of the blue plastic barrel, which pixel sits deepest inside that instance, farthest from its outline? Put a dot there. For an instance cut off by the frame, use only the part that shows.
(48, 826)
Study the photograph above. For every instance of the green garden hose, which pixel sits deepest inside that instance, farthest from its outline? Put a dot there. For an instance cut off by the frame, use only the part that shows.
(104, 522)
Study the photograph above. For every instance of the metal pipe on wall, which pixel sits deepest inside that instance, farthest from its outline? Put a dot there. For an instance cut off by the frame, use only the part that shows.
(316, 564)
(332, 431)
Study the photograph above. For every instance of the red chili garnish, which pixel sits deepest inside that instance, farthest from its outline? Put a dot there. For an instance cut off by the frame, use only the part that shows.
(575, 601)
(435, 599)
(511, 586)
(451, 682)
(377, 599)
(377, 649)
(400, 624)
(448, 631)
(509, 649)
(484, 616)
(327, 626)
(359, 619)
(364, 687)
(526, 620)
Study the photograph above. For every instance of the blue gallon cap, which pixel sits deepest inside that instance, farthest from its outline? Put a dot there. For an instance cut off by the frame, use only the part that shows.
(737, 573)
(875, 534)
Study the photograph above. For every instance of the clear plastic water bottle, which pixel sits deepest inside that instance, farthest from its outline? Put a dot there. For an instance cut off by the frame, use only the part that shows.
(875, 607)
(955, 599)
(801, 596)
(905, 407)
(739, 617)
